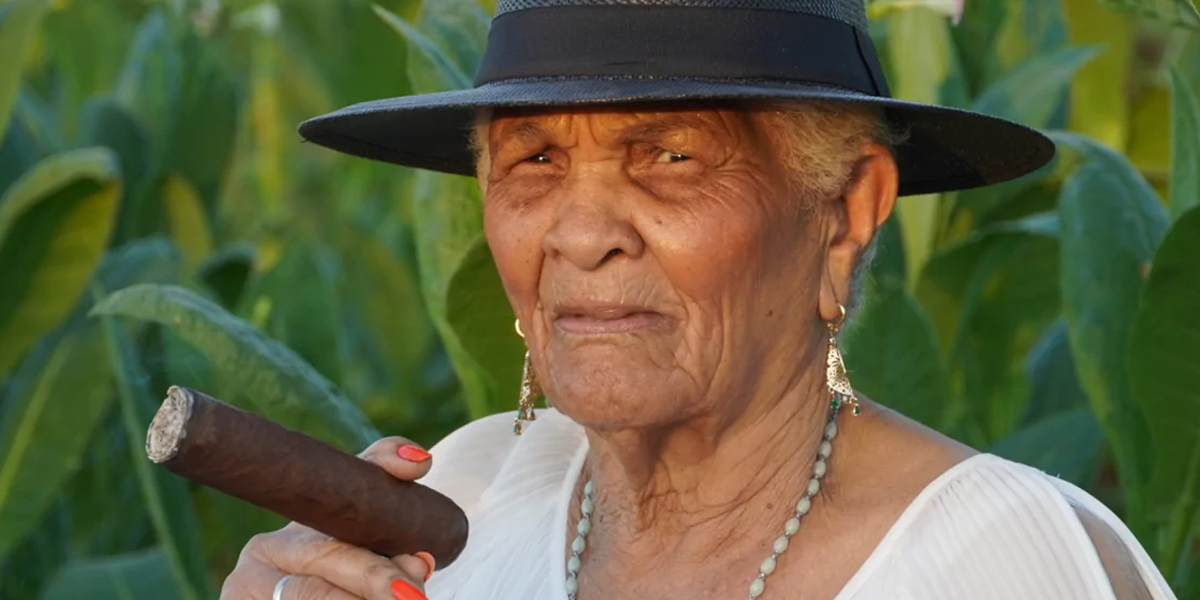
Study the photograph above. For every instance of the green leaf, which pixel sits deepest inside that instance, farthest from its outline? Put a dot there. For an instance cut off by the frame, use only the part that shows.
(106, 123)
(1099, 104)
(58, 397)
(1053, 384)
(187, 220)
(261, 372)
(54, 225)
(482, 317)
(1181, 13)
(1067, 445)
(1185, 146)
(297, 303)
(1164, 369)
(1030, 93)
(459, 28)
(18, 20)
(448, 217)
(173, 80)
(383, 301)
(990, 295)
(226, 273)
(1111, 225)
(165, 496)
(429, 67)
(133, 576)
(893, 357)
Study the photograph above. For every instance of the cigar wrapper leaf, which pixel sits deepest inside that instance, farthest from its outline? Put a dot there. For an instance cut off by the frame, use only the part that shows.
(302, 479)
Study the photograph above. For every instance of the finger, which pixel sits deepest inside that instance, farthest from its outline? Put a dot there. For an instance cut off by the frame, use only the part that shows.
(303, 587)
(401, 458)
(360, 572)
(419, 566)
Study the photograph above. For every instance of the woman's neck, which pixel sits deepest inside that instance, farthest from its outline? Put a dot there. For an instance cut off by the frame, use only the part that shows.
(698, 489)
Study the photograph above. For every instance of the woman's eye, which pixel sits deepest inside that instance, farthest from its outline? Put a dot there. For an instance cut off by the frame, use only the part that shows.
(666, 156)
(540, 157)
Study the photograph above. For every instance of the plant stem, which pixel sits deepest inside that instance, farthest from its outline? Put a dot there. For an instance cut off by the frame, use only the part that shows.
(1180, 525)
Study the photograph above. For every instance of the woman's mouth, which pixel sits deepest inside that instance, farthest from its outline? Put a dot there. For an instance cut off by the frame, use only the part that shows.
(605, 319)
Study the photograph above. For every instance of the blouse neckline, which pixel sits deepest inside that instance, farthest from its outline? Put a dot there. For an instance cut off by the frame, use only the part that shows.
(558, 536)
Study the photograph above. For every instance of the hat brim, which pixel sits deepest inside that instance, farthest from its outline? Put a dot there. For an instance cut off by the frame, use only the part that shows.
(946, 149)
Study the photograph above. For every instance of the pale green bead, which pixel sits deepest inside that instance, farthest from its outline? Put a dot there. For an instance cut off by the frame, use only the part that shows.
(825, 450)
(589, 488)
(584, 526)
(572, 585)
(814, 486)
(588, 506)
(803, 506)
(768, 566)
(792, 525)
(756, 588)
(819, 468)
(781, 544)
(830, 430)
(573, 564)
(579, 545)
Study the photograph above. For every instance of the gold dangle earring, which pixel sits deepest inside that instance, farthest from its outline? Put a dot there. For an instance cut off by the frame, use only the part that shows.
(840, 390)
(530, 390)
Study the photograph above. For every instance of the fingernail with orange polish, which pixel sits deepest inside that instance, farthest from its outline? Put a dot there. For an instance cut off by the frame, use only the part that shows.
(403, 590)
(413, 454)
(429, 562)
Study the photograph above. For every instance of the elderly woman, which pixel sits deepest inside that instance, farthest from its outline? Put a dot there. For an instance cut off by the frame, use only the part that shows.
(679, 195)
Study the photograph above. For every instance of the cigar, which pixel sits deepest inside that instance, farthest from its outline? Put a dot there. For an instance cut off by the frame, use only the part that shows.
(302, 479)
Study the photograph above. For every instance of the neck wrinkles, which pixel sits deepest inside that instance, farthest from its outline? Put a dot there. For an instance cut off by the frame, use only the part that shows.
(700, 488)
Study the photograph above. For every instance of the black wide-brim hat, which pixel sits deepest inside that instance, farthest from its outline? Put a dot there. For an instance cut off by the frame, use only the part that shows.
(548, 53)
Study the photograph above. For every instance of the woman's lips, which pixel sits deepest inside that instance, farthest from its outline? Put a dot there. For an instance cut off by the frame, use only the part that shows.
(607, 321)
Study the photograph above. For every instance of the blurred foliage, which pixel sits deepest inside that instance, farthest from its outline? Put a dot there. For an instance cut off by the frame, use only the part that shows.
(161, 223)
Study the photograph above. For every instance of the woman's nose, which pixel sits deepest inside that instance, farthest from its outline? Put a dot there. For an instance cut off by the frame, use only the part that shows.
(592, 227)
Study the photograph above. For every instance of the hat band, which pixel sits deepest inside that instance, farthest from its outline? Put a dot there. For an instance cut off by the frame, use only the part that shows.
(680, 42)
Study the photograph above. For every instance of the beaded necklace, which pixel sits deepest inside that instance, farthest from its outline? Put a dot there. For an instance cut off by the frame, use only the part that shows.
(790, 527)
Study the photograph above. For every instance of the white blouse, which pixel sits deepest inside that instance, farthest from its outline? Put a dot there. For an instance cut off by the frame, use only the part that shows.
(988, 528)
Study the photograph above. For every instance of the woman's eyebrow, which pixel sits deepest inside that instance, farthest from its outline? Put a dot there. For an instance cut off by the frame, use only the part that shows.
(526, 132)
(658, 128)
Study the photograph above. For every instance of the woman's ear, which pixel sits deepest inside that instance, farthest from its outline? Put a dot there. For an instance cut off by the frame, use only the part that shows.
(864, 207)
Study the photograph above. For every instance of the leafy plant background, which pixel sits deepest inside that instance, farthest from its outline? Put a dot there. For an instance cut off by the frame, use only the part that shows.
(161, 223)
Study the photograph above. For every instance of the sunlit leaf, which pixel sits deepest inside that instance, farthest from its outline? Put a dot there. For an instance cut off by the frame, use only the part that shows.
(1111, 225)
(893, 357)
(1185, 146)
(1164, 370)
(54, 225)
(187, 220)
(1099, 105)
(18, 20)
(260, 372)
(878, 9)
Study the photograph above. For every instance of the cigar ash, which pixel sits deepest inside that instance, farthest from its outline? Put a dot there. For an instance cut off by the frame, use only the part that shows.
(168, 428)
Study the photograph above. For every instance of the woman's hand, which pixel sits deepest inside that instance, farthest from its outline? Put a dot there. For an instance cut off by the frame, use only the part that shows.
(322, 568)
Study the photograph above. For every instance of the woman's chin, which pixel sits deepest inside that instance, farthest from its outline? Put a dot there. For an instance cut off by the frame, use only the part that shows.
(616, 394)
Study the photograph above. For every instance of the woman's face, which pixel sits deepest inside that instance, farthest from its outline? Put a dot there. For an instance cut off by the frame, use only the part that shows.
(657, 261)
